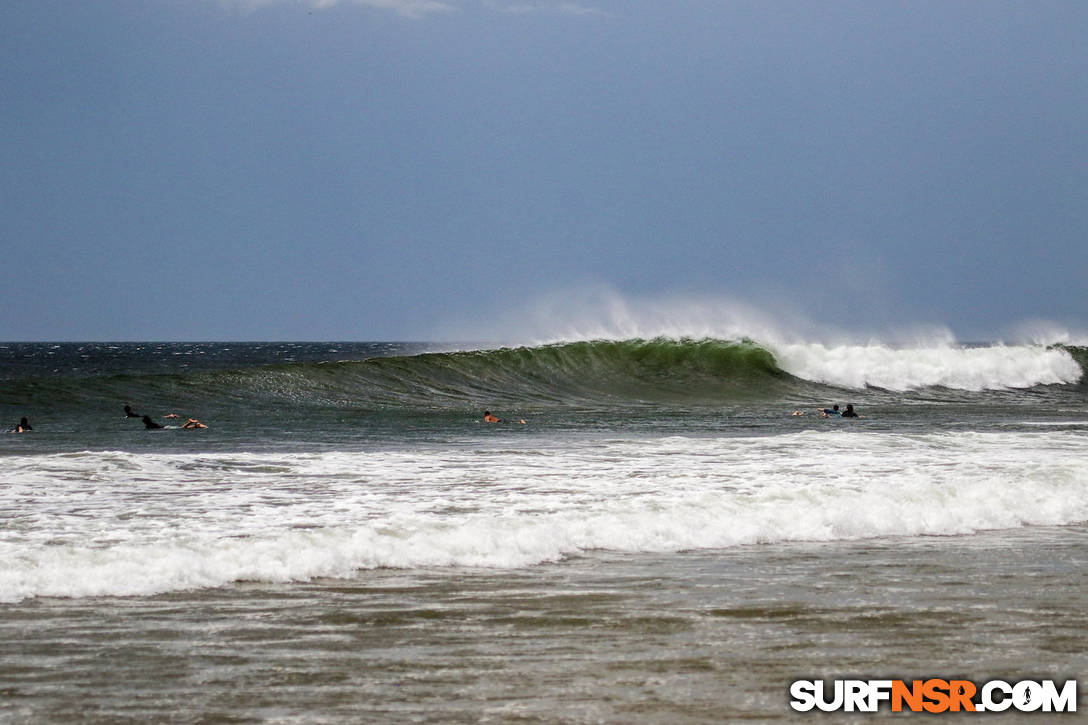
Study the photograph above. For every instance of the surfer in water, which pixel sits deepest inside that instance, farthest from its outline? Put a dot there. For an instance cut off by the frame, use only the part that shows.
(489, 418)
(150, 424)
(130, 413)
(22, 427)
(193, 423)
(849, 412)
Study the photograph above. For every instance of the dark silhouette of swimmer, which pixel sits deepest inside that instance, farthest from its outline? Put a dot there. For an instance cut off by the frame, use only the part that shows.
(849, 412)
(23, 426)
(150, 424)
(129, 413)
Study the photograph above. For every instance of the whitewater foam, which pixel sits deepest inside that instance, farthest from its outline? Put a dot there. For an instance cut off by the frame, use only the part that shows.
(115, 523)
(962, 368)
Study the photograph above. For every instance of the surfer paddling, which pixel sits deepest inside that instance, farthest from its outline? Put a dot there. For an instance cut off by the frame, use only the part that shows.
(490, 418)
(834, 412)
(22, 427)
(191, 424)
(149, 424)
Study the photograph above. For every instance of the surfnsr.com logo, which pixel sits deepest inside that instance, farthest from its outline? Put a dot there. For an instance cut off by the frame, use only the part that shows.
(934, 696)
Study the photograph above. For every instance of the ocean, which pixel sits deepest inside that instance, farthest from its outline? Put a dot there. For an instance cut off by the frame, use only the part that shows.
(660, 530)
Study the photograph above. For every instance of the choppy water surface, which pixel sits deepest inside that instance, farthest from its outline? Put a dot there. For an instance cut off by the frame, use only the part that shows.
(708, 636)
(661, 541)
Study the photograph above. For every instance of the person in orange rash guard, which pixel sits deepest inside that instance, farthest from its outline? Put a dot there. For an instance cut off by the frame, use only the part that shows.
(489, 418)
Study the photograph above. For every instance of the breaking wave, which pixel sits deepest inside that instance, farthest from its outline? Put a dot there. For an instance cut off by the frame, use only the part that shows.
(601, 372)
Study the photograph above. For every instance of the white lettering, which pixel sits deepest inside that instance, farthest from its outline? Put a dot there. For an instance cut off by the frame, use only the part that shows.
(821, 698)
(804, 695)
(855, 695)
(879, 691)
(1027, 696)
(1065, 701)
(989, 704)
(994, 696)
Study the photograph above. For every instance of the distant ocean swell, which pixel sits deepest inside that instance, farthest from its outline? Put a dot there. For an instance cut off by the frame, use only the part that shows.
(680, 371)
(213, 519)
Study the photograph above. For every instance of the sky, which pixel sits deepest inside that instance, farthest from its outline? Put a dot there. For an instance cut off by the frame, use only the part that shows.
(451, 169)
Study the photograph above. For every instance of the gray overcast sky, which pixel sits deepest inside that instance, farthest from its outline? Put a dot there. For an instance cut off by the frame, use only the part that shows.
(407, 169)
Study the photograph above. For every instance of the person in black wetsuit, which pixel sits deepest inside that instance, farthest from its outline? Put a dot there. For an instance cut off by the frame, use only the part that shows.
(150, 424)
(23, 426)
(130, 413)
(849, 412)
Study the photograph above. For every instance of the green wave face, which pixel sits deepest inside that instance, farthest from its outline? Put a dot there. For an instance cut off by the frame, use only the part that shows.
(581, 373)
(632, 372)
(651, 371)
(687, 373)
(1080, 354)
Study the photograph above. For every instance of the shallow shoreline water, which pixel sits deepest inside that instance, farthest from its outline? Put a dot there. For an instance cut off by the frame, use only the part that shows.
(708, 636)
